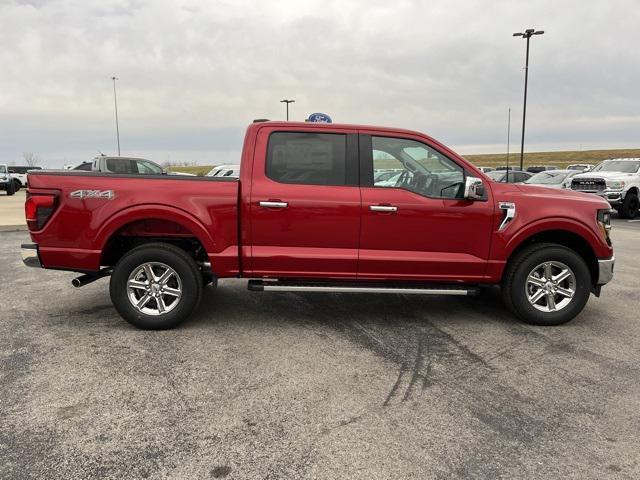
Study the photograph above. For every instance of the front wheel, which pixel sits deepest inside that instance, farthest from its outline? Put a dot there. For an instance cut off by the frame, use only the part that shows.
(630, 206)
(155, 286)
(546, 284)
(10, 188)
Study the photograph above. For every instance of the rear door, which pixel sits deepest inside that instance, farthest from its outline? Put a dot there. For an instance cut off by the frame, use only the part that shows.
(417, 226)
(305, 203)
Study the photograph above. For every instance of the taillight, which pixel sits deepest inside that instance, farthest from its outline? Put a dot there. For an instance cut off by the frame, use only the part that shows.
(38, 208)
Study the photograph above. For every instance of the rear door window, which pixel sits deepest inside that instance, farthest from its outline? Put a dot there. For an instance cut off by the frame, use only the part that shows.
(307, 158)
(121, 165)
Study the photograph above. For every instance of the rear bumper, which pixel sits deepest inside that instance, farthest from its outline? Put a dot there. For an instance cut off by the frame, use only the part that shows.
(30, 255)
(605, 270)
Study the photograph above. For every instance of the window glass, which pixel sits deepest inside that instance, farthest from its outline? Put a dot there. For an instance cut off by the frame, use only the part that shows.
(3, 169)
(120, 165)
(148, 168)
(86, 166)
(307, 158)
(417, 167)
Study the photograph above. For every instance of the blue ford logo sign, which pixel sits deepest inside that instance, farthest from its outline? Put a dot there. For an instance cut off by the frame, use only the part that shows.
(319, 118)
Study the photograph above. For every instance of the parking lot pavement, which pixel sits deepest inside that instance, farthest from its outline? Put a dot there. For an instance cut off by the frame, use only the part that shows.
(262, 385)
(12, 211)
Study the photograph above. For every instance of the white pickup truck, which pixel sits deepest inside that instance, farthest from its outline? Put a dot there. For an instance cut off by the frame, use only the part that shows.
(617, 181)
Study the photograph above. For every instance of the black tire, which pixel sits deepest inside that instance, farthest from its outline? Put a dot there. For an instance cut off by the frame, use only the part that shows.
(630, 206)
(161, 253)
(11, 188)
(16, 185)
(514, 283)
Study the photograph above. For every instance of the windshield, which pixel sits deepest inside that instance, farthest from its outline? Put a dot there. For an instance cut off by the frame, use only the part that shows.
(618, 166)
(497, 175)
(3, 169)
(547, 178)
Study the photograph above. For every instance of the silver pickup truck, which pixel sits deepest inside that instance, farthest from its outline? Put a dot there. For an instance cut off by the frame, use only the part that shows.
(617, 181)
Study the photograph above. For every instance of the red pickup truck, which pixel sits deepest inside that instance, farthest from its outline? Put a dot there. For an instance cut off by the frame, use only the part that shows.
(322, 207)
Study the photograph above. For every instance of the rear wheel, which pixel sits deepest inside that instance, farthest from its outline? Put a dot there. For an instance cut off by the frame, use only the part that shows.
(16, 185)
(630, 206)
(11, 189)
(155, 286)
(547, 284)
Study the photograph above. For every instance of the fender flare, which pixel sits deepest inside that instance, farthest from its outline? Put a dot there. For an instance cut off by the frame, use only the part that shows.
(562, 224)
(148, 211)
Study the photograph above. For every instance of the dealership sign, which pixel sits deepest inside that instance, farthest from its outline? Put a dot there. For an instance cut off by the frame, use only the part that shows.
(319, 118)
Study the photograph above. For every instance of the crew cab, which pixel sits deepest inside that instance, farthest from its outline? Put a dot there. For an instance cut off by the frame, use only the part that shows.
(617, 181)
(307, 215)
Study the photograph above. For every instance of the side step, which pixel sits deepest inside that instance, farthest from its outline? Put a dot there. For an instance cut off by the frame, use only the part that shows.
(360, 287)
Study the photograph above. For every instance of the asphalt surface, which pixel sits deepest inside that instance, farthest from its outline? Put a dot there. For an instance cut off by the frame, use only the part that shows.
(283, 385)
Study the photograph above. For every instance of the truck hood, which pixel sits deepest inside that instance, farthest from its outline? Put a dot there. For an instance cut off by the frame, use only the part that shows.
(605, 175)
(505, 192)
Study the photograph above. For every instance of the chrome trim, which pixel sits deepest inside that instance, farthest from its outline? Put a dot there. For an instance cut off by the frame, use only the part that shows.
(383, 208)
(274, 204)
(605, 270)
(30, 256)
(510, 214)
(320, 288)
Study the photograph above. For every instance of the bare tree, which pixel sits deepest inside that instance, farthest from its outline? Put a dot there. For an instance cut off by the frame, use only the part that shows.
(31, 159)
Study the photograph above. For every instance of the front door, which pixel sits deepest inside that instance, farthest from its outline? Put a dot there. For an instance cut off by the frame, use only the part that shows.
(415, 223)
(305, 204)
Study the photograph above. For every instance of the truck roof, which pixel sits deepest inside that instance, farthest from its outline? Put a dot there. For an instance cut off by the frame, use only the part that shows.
(350, 126)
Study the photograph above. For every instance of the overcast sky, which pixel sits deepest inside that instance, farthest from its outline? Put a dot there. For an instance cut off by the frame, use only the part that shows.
(192, 74)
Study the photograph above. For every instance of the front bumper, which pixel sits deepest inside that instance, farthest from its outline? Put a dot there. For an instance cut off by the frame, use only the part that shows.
(612, 196)
(605, 270)
(30, 255)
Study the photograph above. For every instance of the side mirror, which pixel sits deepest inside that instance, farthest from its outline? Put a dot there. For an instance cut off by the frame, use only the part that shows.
(473, 189)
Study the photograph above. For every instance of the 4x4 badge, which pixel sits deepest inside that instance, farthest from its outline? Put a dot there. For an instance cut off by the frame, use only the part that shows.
(105, 194)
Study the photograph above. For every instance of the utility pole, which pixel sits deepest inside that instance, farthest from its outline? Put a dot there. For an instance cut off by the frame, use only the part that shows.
(508, 139)
(287, 102)
(115, 104)
(526, 34)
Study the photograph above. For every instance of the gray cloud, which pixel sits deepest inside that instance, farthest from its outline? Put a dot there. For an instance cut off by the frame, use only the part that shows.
(193, 74)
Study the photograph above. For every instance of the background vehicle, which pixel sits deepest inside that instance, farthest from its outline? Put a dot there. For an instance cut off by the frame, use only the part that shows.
(306, 215)
(617, 181)
(125, 166)
(504, 167)
(552, 178)
(6, 182)
(514, 176)
(582, 167)
(540, 168)
(486, 169)
(225, 171)
(19, 175)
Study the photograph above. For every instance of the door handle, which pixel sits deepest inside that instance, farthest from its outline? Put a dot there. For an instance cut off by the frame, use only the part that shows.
(383, 208)
(273, 204)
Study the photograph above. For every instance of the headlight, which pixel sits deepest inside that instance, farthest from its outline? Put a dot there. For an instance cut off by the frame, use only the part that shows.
(615, 184)
(604, 222)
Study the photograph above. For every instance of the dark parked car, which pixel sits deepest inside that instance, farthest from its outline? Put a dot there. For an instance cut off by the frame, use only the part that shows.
(541, 168)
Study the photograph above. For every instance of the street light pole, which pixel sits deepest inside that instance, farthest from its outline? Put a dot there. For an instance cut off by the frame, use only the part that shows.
(526, 34)
(508, 140)
(287, 102)
(115, 104)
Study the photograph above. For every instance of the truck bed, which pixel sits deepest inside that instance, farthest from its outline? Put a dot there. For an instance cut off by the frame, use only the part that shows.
(91, 206)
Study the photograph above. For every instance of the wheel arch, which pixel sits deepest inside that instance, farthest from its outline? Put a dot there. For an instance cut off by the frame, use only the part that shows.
(559, 236)
(152, 223)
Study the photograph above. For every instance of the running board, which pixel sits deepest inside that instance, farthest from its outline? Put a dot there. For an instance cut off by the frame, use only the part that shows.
(360, 287)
